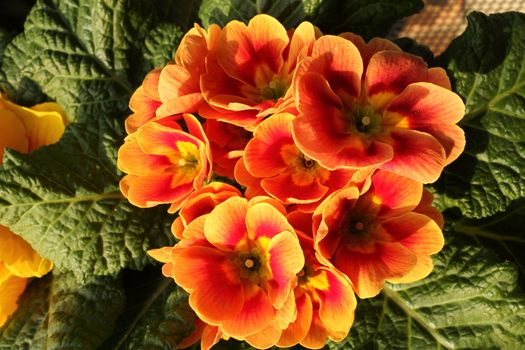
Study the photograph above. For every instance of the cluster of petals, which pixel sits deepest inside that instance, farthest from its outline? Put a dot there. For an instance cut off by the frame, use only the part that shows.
(24, 130)
(327, 142)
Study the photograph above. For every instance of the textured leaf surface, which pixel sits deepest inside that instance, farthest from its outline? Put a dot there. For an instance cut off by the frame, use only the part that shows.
(64, 200)
(88, 54)
(488, 66)
(57, 313)
(365, 17)
(470, 301)
(289, 12)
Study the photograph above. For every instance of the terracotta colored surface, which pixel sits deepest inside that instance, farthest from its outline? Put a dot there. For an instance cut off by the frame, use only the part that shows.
(443, 20)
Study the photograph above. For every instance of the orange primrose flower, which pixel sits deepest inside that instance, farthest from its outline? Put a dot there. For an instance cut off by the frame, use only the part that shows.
(379, 235)
(144, 102)
(393, 113)
(250, 69)
(164, 164)
(179, 82)
(324, 297)
(239, 265)
(286, 173)
(227, 143)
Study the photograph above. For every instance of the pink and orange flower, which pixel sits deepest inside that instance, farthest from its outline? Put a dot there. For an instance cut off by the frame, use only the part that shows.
(392, 113)
(286, 173)
(239, 264)
(227, 145)
(250, 69)
(324, 297)
(164, 164)
(378, 236)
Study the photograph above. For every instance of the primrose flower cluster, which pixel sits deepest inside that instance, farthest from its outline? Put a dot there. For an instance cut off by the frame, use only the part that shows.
(330, 139)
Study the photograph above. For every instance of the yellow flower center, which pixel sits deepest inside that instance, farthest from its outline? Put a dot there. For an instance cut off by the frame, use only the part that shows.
(363, 119)
(275, 89)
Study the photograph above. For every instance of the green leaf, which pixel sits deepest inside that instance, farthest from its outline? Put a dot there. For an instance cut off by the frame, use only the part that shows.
(64, 200)
(57, 313)
(157, 314)
(289, 12)
(470, 301)
(488, 67)
(367, 18)
(90, 54)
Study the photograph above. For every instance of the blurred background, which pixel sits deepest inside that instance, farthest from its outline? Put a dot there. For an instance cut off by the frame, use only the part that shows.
(438, 23)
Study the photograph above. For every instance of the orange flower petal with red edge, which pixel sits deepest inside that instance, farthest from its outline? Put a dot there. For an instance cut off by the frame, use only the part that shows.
(367, 50)
(432, 109)
(262, 155)
(320, 109)
(337, 302)
(216, 293)
(296, 331)
(339, 62)
(150, 190)
(225, 226)
(417, 232)
(264, 220)
(247, 52)
(368, 270)
(390, 195)
(257, 313)
(252, 183)
(286, 260)
(425, 207)
(158, 139)
(132, 159)
(205, 199)
(417, 155)
(389, 73)
(284, 188)
(301, 44)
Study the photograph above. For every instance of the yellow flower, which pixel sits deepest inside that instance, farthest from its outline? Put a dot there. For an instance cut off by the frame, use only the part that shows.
(26, 129)
(23, 129)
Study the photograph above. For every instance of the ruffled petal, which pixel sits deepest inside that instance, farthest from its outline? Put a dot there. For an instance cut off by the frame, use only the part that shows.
(216, 292)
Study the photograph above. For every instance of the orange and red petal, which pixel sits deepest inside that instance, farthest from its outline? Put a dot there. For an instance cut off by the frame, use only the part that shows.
(425, 207)
(225, 226)
(417, 232)
(150, 190)
(317, 333)
(301, 44)
(286, 260)
(369, 270)
(133, 160)
(339, 61)
(425, 104)
(357, 153)
(244, 52)
(262, 155)
(417, 155)
(252, 183)
(438, 76)
(216, 292)
(256, 314)
(297, 330)
(189, 103)
(337, 303)
(390, 195)
(423, 268)
(389, 73)
(155, 138)
(284, 188)
(176, 81)
(163, 254)
(264, 220)
(320, 109)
